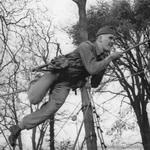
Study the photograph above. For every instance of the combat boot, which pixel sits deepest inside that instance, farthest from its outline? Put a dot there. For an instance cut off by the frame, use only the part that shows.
(15, 132)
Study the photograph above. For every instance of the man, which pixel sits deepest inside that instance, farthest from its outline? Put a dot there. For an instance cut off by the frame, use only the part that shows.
(68, 72)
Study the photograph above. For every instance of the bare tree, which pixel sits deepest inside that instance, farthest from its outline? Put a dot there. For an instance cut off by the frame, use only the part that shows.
(26, 42)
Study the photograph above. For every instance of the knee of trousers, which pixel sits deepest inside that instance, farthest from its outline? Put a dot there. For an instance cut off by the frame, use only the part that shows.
(50, 108)
(33, 100)
(35, 97)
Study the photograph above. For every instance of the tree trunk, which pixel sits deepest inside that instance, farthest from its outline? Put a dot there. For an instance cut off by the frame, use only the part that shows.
(143, 123)
(20, 143)
(90, 134)
(88, 115)
(51, 130)
(82, 19)
(33, 138)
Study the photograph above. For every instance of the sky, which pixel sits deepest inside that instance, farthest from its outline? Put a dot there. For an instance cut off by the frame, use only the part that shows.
(64, 13)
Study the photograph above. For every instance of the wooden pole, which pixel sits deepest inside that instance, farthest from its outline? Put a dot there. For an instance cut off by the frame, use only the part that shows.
(90, 134)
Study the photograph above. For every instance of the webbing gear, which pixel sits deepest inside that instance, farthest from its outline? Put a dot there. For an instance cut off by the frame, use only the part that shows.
(56, 64)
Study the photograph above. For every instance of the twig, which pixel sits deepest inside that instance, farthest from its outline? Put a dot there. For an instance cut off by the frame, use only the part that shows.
(19, 91)
(136, 45)
(5, 138)
(76, 1)
(132, 145)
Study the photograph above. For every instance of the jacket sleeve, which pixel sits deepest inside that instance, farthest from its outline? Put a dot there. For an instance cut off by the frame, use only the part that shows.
(96, 79)
(88, 58)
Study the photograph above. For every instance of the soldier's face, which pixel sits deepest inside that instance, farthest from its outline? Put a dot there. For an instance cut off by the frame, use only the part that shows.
(105, 41)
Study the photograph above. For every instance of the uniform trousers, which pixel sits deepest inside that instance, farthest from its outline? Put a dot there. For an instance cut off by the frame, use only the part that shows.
(58, 95)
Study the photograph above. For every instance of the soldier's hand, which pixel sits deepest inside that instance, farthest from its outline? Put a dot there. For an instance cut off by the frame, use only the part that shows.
(116, 55)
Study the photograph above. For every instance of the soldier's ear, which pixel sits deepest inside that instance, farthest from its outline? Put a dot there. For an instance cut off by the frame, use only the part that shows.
(99, 38)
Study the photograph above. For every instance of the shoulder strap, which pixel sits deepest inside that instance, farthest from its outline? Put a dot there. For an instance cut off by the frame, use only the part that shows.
(93, 47)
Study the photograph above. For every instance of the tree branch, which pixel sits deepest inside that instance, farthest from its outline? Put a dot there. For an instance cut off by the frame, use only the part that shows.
(76, 1)
(19, 91)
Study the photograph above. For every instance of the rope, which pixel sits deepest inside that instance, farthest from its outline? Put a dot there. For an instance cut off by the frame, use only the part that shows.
(67, 120)
(81, 127)
(99, 132)
(115, 116)
(74, 145)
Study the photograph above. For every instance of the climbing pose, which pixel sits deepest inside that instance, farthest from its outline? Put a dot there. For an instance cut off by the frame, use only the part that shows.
(68, 72)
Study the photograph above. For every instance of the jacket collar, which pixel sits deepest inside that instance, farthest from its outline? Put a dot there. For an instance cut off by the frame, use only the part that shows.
(99, 50)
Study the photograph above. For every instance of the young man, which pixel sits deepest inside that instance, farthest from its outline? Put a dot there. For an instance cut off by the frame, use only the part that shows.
(68, 72)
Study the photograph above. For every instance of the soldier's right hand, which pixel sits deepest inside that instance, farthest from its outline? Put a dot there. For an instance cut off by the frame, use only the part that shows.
(116, 55)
